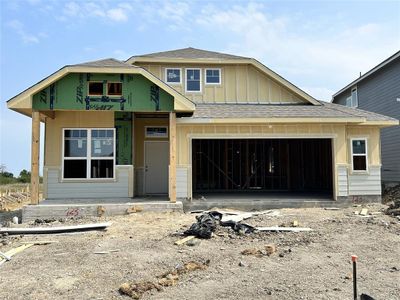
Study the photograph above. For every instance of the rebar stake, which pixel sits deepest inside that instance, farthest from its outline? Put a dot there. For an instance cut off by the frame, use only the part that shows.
(354, 260)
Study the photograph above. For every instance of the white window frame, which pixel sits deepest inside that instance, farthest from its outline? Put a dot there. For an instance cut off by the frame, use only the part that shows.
(107, 94)
(212, 83)
(186, 80)
(89, 157)
(88, 88)
(156, 137)
(358, 154)
(354, 103)
(166, 76)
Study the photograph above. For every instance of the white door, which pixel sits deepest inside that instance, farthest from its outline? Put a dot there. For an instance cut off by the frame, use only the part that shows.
(156, 167)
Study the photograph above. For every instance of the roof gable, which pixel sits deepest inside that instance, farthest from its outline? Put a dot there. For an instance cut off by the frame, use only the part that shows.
(23, 101)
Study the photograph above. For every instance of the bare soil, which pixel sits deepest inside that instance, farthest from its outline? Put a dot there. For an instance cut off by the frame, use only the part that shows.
(307, 265)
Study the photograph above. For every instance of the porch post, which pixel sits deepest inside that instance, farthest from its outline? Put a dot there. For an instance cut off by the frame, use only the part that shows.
(172, 157)
(35, 157)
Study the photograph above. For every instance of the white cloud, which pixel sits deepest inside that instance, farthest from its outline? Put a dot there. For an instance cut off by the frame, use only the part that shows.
(26, 37)
(117, 14)
(320, 53)
(101, 9)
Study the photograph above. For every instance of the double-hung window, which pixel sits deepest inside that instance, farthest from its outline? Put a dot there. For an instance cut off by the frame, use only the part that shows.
(193, 80)
(88, 153)
(352, 100)
(359, 154)
(213, 76)
(173, 75)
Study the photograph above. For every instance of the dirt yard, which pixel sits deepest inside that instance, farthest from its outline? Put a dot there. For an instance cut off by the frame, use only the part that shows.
(307, 265)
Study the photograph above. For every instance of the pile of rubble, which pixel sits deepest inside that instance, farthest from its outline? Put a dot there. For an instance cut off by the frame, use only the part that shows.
(391, 196)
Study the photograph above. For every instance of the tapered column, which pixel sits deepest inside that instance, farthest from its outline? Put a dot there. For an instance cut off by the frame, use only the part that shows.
(35, 157)
(172, 157)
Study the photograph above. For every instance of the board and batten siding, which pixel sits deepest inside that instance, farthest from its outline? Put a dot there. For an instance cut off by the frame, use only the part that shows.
(366, 184)
(58, 189)
(239, 84)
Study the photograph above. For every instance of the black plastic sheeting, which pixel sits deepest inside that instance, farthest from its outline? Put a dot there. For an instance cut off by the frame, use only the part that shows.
(208, 222)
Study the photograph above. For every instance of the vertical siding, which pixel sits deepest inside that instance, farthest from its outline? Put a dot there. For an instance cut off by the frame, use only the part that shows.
(239, 83)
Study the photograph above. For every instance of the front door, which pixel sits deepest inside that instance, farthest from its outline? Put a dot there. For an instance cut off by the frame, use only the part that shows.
(156, 167)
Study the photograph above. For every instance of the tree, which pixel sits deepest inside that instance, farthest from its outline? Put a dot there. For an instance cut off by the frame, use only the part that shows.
(24, 176)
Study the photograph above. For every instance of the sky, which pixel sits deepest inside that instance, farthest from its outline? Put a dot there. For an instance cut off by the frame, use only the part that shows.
(320, 46)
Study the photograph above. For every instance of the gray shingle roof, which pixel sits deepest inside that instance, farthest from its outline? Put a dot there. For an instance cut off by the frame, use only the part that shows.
(191, 53)
(326, 110)
(108, 62)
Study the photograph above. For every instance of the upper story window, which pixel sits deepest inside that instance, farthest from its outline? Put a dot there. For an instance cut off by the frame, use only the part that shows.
(173, 75)
(352, 100)
(213, 76)
(359, 154)
(95, 88)
(114, 89)
(193, 80)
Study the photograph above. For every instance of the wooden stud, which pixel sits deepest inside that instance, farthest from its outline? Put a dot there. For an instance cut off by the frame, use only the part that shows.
(35, 157)
(172, 157)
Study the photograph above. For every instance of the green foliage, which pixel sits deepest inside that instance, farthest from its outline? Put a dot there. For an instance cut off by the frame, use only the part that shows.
(24, 176)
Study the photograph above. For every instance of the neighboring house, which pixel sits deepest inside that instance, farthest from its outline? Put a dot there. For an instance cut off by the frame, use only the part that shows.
(378, 91)
(192, 122)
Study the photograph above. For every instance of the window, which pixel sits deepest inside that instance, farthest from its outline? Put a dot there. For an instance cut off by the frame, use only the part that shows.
(88, 153)
(173, 75)
(95, 88)
(193, 80)
(156, 132)
(114, 89)
(352, 100)
(359, 154)
(213, 76)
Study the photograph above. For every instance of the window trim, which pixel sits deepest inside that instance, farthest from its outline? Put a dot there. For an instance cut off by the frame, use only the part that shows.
(358, 154)
(88, 88)
(219, 77)
(156, 137)
(107, 94)
(89, 157)
(200, 79)
(166, 76)
(351, 96)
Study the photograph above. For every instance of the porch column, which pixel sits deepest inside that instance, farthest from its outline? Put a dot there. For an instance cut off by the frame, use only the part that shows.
(172, 157)
(35, 157)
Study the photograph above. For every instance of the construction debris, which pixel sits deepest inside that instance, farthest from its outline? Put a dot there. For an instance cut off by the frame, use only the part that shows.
(106, 252)
(277, 228)
(7, 256)
(184, 240)
(52, 230)
(364, 212)
(137, 289)
(170, 278)
(134, 209)
(267, 251)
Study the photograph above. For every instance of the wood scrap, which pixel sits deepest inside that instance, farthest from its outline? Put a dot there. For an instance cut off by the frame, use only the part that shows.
(184, 240)
(14, 251)
(106, 252)
(50, 230)
(277, 228)
(364, 212)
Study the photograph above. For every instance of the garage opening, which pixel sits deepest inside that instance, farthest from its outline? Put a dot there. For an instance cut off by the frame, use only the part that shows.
(265, 165)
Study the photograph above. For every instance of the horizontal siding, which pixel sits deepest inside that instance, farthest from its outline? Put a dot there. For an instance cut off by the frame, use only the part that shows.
(181, 182)
(366, 184)
(116, 189)
(342, 181)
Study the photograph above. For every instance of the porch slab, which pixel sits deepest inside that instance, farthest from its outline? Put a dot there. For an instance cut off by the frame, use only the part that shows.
(64, 208)
(260, 201)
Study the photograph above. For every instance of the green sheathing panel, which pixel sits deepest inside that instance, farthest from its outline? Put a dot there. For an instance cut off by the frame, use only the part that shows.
(123, 126)
(71, 93)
